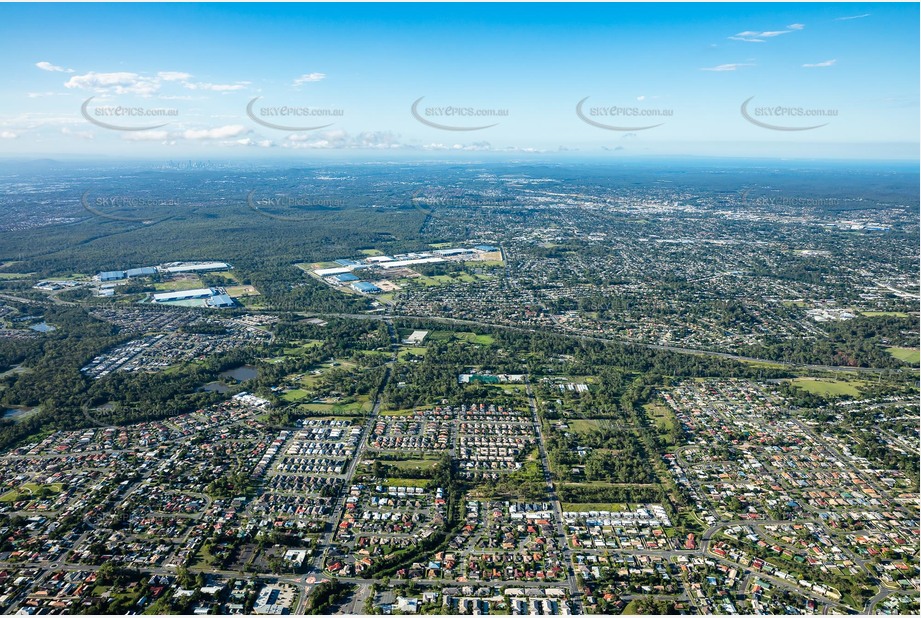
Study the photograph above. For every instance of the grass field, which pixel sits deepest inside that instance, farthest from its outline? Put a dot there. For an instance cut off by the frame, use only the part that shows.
(909, 355)
(467, 336)
(878, 314)
(474, 338)
(488, 263)
(583, 425)
(15, 275)
(415, 351)
(371, 252)
(583, 507)
(404, 412)
(334, 408)
(27, 490)
(179, 285)
(660, 415)
(302, 347)
(399, 482)
(826, 387)
(295, 395)
(242, 290)
(412, 464)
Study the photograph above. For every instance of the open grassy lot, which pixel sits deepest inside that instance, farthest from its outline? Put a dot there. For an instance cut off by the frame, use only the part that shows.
(303, 347)
(830, 388)
(295, 395)
(315, 265)
(242, 290)
(909, 355)
(413, 464)
(474, 338)
(593, 506)
(414, 351)
(355, 407)
(404, 412)
(583, 425)
(28, 490)
(660, 415)
(469, 337)
(877, 314)
(371, 252)
(400, 482)
(179, 285)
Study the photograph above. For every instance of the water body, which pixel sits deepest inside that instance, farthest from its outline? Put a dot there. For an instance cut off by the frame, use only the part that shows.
(243, 373)
(43, 327)
(15, 414)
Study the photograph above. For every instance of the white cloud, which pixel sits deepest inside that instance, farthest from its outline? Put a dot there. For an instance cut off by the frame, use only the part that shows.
(261, 143)
(174, 76)
(8, 135)
(339, 139)
(80, 134)
(225, 132)
(47, 66)
(144, 85)
(853, 17)
(309, 77)
(146, 136)
(215, 87)
(118, 83)
(826, 63)
(756, 36)
(36, 95)
(727, 67)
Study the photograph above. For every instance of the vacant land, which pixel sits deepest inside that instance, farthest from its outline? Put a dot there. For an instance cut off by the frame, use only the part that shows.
(834, 388)
(909, 355)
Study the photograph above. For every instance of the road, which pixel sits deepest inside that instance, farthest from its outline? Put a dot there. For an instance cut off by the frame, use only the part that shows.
(582, 337)
(575, 594)
(326, 538)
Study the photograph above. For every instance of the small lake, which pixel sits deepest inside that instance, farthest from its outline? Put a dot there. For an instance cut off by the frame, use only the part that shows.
(15, 413)
(43, 327)
(244, 373)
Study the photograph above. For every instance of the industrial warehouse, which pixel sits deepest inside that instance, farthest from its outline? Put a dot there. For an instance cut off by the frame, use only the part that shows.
(374, 274)
(201, 297)
(171, 268)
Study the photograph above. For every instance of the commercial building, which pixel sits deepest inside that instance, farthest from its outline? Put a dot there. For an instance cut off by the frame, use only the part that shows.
(145, 271)
(220, 301)
(192, 267)
(365, 287)
(111, 275)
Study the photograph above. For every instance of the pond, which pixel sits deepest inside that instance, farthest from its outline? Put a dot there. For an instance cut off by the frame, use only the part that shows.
(43, 327)
(243, 373)
(15, 413)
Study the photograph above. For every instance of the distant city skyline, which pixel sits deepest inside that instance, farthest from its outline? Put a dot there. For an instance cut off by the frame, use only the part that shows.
(817, 80)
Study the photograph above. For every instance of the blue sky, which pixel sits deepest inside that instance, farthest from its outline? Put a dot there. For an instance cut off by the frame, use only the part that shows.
(687, 68)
